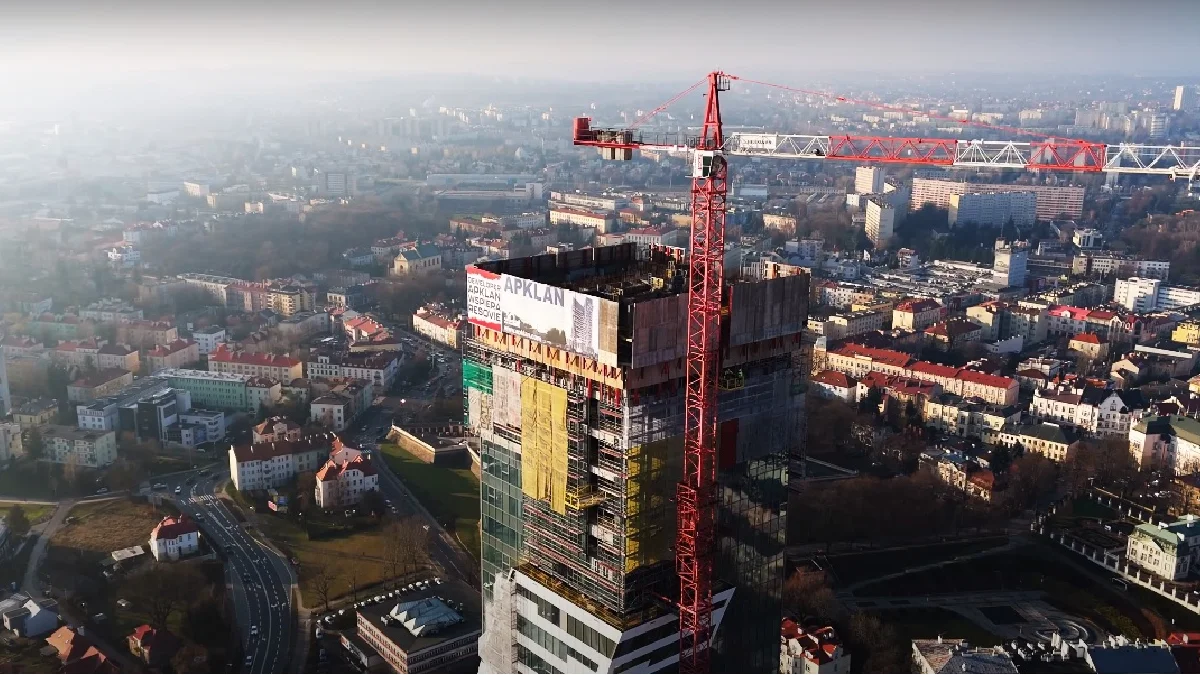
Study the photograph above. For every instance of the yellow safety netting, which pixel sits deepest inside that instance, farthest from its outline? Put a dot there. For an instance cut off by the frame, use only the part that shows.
(544, 442)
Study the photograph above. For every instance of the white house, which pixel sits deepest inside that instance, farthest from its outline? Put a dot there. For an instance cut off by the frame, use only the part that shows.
(811, 651)
(1101, 412)
(1168, 550)
(832, 384)
(345, 482)
(174, 538)
(1168, 442)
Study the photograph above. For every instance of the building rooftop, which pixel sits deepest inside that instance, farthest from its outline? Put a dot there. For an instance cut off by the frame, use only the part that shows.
(957, 656)
(424, 619)
(173, 528)
(100, 377)
(257, 452)
(203, 375)
(225, 355)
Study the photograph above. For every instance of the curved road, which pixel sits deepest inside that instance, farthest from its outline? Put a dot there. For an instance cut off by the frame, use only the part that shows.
(261, 579)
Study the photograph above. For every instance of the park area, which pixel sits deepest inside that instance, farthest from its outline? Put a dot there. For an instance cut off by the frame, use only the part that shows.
(450, 494)
(95, 529)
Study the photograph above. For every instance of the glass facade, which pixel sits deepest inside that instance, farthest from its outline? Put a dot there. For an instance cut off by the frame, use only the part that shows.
(500, 494)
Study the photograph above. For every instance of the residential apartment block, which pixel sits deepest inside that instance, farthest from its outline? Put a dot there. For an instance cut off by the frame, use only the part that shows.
(81, 447)
(1052, 201)
(857, 361)
(281, 368)
(917, 314)
(216, 390)
(342, 482)
(177, 354)
(272, 464)
(1170, 550)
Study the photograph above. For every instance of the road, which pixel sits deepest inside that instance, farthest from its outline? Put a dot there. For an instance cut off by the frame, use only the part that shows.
(261, 579)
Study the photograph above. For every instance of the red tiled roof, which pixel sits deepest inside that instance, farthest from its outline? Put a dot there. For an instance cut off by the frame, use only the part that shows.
(171, 347)
(224, 355)
(256, 452)
(953, 328)
(1184, 640)
(1033, 372)
(1089, 338)
(934, 369)
(332, 469)
(884, 356)
(1101, 314)
(834, 378)
(985, 379)
(1076, 313)
(173, 528)
(917, 305)
(100, 377)
(262, 382)
(580, 212)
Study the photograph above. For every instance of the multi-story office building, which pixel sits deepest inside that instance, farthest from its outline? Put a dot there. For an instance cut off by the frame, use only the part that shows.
(1183, 100)
(1011, 263)
(574, 370)
(1052, 200)
(219, 391)
(6, 405)
(993, 208)
(881, 219)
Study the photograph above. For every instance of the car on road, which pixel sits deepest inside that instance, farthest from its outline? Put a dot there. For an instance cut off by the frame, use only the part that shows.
(249, 661)
(199, 517)
(160, 486)
(178, 489)
(102, 491)
(254, 630)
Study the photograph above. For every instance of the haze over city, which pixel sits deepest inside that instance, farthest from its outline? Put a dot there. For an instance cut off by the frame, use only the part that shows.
(821, 337)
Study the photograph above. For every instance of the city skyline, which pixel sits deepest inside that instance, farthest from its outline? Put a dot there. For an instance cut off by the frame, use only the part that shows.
(627, 41)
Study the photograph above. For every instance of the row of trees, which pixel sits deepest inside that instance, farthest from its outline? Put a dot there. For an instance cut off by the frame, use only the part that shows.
(406, 550)
(875, 646)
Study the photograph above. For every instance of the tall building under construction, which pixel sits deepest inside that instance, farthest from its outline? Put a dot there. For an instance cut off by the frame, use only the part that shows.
(574, 372)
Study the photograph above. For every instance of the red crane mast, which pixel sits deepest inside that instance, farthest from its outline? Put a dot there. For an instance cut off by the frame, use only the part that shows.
(696, 494)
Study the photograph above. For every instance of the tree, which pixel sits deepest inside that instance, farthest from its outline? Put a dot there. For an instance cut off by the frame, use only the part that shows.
(34, 445)
(407, 544)
(373, 501)
(18, 522)
(324, 579)
(1000, 460)
(1033, 476)
(162, 589)
(191, 658)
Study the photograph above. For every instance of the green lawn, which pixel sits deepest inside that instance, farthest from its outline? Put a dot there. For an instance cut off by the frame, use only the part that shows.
(854, 567)
(24, 481)
(930, 622)
(451, 495)
(36, 513)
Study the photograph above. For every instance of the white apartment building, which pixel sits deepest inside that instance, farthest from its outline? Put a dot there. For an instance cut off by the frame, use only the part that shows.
(1087, 238)
(11, 445)
(868, 180)
(805, 249)
(68, 445)
(1011, 264)
(840, 326)
(880, 222)
(1167, 442)
(378, 368)
(993, 208)
(438, 327)
(917, 314)
(207, 339)
(271, 464)
(599, 221)
(593, 202)
(1142, 295)
(1052, 200)
(1101, 412)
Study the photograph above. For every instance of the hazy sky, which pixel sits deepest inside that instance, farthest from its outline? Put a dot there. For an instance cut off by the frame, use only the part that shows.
(45, 41)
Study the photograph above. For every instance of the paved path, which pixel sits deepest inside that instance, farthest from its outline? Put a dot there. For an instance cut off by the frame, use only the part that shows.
(29, 583)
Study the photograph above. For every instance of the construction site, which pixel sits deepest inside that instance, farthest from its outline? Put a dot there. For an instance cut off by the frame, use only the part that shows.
(575, 371)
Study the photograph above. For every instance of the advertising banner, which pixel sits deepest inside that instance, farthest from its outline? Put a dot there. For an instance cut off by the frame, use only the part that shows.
(483, 298)
(548, 314)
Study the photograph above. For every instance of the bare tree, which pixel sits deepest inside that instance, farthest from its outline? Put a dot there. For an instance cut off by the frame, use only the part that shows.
(324, 579)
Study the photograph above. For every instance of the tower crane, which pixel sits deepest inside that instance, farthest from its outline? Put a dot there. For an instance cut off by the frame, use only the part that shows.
(696, 493)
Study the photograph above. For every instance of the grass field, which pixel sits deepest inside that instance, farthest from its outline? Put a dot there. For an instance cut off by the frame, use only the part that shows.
(451, 495)
(25, 482)
(102, 527)
(926, 622)
(854, 567)
(359, 557)
(36, 513)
